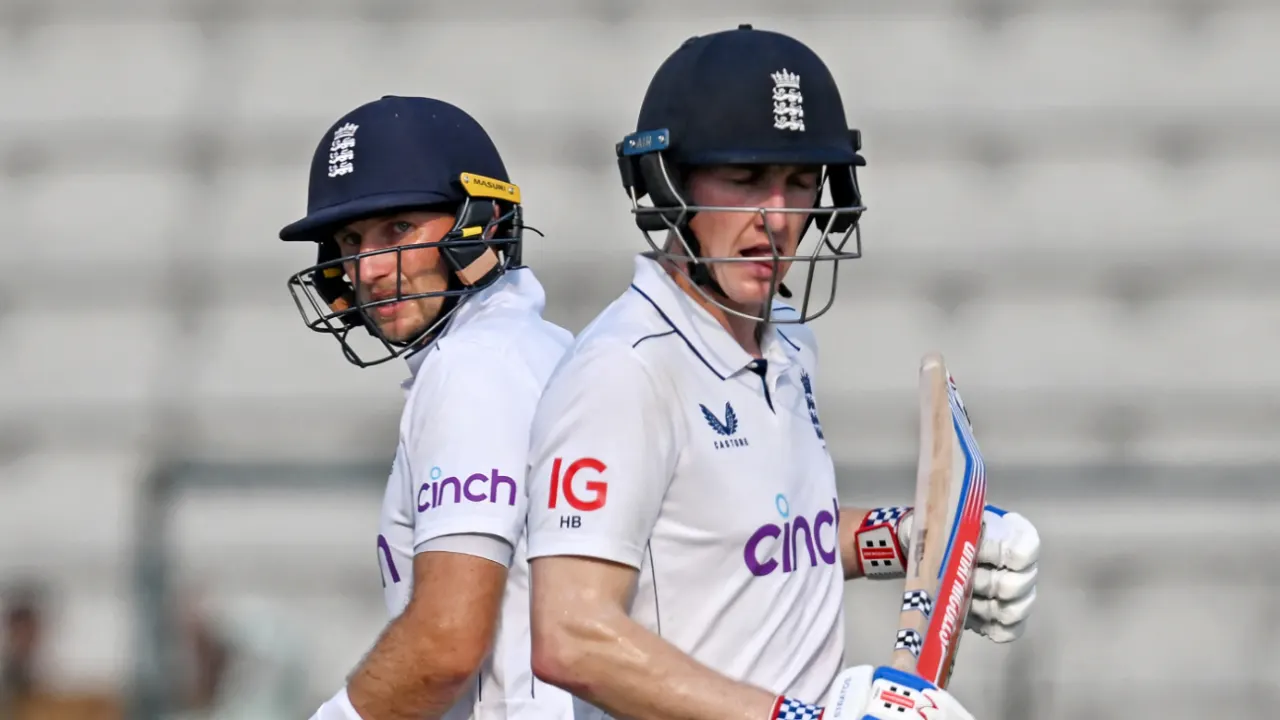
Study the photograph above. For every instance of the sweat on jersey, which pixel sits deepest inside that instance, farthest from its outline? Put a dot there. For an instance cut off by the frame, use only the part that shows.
(661, 444)
(458, 480)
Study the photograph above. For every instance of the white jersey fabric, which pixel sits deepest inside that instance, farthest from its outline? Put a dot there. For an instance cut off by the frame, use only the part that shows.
(458, 480)
(659, 443)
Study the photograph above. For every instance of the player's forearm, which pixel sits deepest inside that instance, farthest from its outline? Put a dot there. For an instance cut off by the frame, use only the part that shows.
(410, 675)
(616, 665)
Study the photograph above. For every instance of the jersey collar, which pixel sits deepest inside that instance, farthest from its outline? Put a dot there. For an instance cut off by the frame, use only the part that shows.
(517, 289)
(704, 335)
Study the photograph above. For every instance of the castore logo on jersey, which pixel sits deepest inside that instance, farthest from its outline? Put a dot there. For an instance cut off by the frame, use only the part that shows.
(794, 536)
(726, 429)
(436, 493)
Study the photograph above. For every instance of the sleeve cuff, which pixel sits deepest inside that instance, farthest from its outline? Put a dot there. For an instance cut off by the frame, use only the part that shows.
(339, 707)
(501, 528)
(487, 547)
(600, 548)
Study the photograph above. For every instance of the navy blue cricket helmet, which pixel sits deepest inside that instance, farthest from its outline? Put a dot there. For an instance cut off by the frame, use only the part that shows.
(744, 97)
(392, 155)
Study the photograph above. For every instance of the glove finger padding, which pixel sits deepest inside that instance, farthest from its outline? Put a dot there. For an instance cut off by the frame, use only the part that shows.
(995, 632)
(1005, 585)
(1009, 541)
(1000, 621)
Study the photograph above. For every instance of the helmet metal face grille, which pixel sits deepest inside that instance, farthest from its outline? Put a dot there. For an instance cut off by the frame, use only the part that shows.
(818, 265)
(327, 296)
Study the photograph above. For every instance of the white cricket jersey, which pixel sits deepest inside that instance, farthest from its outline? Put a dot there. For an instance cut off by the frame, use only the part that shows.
(458, 479)
(661, 444)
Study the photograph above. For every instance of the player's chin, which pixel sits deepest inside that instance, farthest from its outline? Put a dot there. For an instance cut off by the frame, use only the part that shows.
(407, 320)
(749, 284)
(402, 328)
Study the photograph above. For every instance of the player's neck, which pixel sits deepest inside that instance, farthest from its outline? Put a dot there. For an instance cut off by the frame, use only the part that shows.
(746, 331)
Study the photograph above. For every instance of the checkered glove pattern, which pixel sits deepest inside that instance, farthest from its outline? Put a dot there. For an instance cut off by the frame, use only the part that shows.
(791, 709)
(879, 546)
(910, 641)
(917, 600)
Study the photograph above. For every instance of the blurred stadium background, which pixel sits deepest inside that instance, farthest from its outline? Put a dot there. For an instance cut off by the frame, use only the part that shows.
(1074, 199)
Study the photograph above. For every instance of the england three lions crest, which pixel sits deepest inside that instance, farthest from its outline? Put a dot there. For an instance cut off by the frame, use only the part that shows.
(788, 110)
(342, 151)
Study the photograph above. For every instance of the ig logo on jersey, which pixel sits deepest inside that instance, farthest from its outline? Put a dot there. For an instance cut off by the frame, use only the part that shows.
(585, 496)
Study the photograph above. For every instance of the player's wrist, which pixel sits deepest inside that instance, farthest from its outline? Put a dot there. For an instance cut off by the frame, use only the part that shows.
(879, 543)
(338, 707)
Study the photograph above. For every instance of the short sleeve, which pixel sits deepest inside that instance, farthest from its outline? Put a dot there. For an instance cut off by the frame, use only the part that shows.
(602, 455)
(468, 442)
(487, 547)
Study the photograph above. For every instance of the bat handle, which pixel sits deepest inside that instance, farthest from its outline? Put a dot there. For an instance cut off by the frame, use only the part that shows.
(903, 660)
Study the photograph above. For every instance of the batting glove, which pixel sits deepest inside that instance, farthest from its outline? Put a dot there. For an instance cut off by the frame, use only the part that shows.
(1004, 583)
(877, 693)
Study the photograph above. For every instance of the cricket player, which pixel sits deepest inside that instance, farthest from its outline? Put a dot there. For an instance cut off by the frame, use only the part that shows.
(419, 233)
(687, 545)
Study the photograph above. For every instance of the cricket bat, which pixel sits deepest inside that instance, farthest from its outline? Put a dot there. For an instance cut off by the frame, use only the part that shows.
(951, 492)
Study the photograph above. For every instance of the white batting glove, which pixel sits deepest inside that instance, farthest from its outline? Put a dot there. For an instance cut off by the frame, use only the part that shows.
(883, 693)
(1004, 583)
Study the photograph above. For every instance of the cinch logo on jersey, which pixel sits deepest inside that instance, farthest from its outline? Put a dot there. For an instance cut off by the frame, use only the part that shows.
(796, 538)
(726, 429)
(477, 488)
(384, 554)
(585, 496)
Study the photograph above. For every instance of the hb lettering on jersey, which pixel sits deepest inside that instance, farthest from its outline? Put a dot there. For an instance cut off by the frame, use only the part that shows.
(583, 495)
(797, 538)
(477, 488)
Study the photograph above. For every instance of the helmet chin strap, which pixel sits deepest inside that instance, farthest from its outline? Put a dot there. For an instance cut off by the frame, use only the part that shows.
(700, 273)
